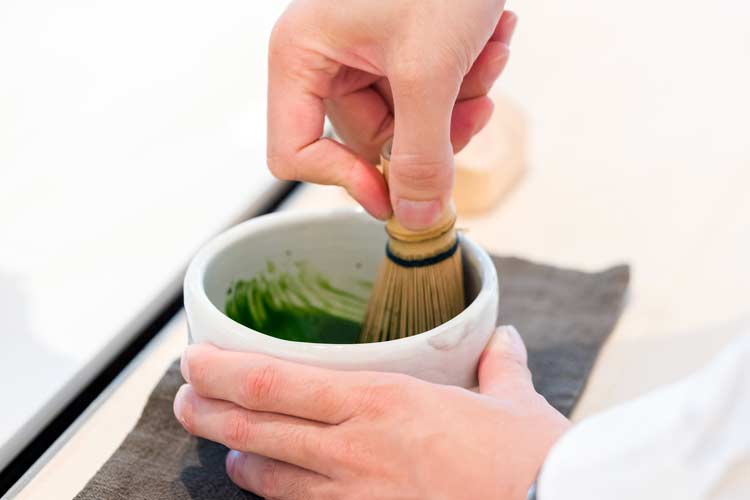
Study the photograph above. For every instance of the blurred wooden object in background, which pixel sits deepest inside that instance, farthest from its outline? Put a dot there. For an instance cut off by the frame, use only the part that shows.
(489, 166)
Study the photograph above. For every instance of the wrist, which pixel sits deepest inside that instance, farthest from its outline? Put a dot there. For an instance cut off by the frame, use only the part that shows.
(563, 425)
(557, 425)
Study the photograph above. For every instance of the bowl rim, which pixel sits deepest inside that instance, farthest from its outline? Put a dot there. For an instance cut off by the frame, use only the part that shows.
(196, 272)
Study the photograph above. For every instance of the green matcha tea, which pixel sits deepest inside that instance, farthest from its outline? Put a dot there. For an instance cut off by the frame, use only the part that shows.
(299, 304)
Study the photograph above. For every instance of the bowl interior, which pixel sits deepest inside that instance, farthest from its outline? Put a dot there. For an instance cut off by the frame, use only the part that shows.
(344, 248)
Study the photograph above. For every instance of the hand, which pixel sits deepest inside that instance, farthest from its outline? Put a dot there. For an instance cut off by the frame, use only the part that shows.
(308, 433)
(417, 71)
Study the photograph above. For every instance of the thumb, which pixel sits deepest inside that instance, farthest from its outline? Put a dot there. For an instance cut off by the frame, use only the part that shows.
(420, 176)
(503, 363)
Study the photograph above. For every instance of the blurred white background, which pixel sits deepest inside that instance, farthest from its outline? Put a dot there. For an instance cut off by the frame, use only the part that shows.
(129, 133)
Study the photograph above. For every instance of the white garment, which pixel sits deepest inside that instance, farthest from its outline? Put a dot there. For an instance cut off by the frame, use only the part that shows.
(687, 441)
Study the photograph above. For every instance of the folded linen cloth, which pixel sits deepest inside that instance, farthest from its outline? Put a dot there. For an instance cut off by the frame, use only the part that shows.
(564, 317)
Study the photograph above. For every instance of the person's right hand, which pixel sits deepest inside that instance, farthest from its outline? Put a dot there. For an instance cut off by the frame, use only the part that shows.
(417, 71)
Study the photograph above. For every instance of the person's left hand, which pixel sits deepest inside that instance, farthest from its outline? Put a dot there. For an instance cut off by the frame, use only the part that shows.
(310, 433)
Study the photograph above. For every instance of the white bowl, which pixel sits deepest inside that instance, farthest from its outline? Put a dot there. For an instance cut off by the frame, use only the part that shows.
(345, 246)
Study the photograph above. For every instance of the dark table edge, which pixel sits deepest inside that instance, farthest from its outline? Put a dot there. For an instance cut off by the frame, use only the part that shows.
(28, 456)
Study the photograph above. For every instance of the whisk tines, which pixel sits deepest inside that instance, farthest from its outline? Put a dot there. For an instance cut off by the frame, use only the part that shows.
(420, 282)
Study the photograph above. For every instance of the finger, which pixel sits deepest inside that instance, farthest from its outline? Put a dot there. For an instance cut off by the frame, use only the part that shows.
(365, 129)
(469, 117)
(281, 437)
(262, 383)
(363, 120)
(505, 28)
(274, 479)
(485, 70)
(503, 362)
(420, 176)
(383, 87)
(329, 163)
(492, 60)
(295, 147)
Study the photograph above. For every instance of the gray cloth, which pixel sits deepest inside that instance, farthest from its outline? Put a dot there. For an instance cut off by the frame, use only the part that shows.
(563, 316)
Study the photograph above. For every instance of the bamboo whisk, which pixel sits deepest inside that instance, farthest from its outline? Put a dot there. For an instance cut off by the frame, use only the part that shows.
(420, 284)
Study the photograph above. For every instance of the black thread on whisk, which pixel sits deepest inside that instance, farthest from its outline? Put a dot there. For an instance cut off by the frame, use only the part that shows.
(428, 261)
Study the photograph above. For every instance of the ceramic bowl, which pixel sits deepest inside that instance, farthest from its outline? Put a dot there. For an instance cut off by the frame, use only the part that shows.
(346, 246)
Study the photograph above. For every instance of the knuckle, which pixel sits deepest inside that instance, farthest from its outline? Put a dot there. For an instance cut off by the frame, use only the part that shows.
(281, 166)
(332, 410)
(348, 453)
(280, 32)
(276, 38)
(420, 75)
(414, 174)
(325, 445)
(331, 404)
(408, 77)
(299, 438)
(238, 430)
(417, 167)
(261, 385)
(199, 368)
(413, 72)
(370, 401)
(376, 399)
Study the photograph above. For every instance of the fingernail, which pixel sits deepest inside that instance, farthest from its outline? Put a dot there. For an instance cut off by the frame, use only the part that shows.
(233, 462)
(184, 365)
(382, 211)
(416, 215)
(179, 405)
(502, 339)
(506, 338)
(510, 28)
(496, 65)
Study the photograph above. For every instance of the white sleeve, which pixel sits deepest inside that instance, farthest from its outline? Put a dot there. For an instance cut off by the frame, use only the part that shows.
(687, 441)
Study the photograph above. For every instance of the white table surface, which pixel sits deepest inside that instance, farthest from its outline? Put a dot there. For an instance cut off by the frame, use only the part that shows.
(638, 154)
(129, 134)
